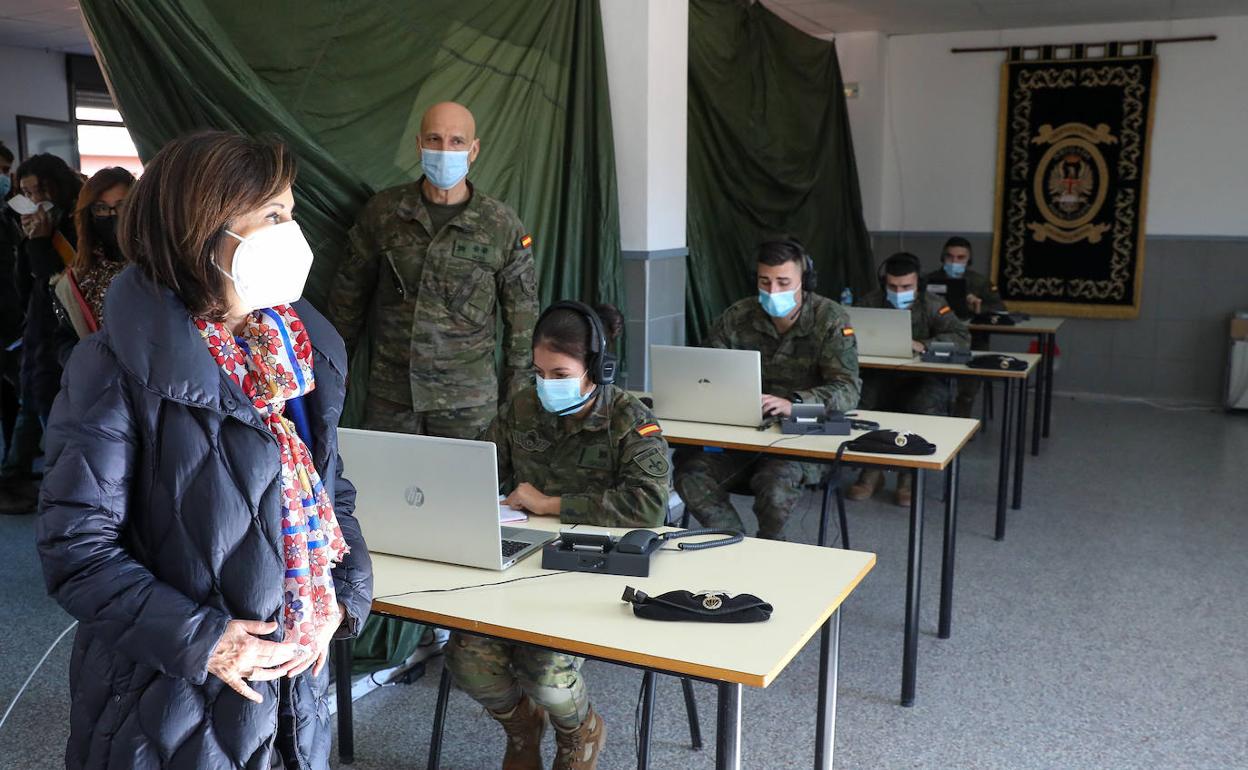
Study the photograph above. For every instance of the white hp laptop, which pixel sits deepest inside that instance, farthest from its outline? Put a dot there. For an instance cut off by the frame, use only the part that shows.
(707, 384)
(432, 498)
(882, 332)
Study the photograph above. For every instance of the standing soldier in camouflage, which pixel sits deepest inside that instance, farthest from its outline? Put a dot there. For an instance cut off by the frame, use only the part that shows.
(981, 297)
(571, 445)
(809, 355)
(931, 320)
(432, 267)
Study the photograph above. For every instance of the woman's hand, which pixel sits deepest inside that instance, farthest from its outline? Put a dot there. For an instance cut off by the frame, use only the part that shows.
(527, 496)
(240, 654)
(323, 639)
(37, 225)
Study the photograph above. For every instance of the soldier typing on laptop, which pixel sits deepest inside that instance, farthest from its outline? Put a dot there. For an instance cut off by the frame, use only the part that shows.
(808, 355)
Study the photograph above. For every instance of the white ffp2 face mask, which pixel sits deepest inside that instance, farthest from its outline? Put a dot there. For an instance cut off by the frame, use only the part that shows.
(270, 266)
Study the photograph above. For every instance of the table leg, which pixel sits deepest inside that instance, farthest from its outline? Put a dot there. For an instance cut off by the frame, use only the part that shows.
(825, 511)
(1020, 443)
(951, 539)
(439, 720)
(691, 711)
(829, 669)
(342, 655)
(728, 727)
(1050, 351)
(1036, 427)
(647, 720)
(1003, 462)
(910, 645)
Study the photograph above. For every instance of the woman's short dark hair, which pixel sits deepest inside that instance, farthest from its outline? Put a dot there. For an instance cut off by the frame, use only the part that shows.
(176, 216)
(104, 180)
(60, 183)
(566, 331)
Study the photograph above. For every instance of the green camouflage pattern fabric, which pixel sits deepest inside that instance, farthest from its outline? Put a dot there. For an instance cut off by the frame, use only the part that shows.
(433, 302)
(471, 422)
(817, 358)
(706, 479)
(606, 472)
(976, 283)
(496, 674)
(930, 320)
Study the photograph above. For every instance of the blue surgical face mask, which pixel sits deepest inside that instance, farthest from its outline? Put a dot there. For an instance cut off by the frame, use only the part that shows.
(955, 269)
(444, 168)
(561, 396)
(778, 304)
(6, 185)
(902, 300)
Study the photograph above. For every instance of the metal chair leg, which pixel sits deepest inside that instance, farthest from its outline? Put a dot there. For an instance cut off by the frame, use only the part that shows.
(691, 710)
(341, 652)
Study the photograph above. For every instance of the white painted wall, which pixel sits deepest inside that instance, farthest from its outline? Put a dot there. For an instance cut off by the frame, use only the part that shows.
(34, 84)
(862, 58)
(647, 48)
(938, 127)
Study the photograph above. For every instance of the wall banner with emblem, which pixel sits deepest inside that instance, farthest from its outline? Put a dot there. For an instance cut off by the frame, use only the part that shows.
(1072, 178)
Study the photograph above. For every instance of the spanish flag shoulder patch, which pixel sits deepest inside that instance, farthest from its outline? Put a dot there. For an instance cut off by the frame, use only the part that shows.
(848, 331)
(526, 241)
(945, 309)
(649, 429)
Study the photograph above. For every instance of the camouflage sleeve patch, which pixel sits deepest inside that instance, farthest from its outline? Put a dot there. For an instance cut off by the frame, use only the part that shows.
(525, 242)
(653, 462)
(848, 331)
(944, 310)
(649, 429)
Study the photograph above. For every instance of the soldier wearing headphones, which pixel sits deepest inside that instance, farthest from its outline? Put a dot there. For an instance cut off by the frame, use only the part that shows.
(981, 297)
(809, 355)
(902, 288)
(572, 445)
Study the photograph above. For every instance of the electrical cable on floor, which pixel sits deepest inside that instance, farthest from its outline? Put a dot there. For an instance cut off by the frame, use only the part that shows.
(34, 671)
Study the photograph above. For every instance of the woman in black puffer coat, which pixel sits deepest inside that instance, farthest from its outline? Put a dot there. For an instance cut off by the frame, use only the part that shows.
(207, 589)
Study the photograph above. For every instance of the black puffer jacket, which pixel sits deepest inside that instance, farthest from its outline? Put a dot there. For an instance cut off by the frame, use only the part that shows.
(159, 522)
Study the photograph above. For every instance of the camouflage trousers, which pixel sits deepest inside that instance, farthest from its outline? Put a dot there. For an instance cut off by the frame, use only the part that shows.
(469, 422)
(704, 481)
(496, 674)
(912, 393)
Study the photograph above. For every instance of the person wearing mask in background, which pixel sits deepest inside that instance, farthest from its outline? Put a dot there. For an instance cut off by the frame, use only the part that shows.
(981, 297)
(433, 270)
(194, 517)
(18, 487)
(47, 247)
(574, 446)
(80, 290)
(809, 354)
(931, 320)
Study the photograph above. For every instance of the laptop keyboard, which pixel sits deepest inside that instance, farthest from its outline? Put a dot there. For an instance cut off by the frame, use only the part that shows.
(513, 547)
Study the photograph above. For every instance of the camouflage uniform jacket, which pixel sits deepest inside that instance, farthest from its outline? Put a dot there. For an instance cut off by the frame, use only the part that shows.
(432, 301)
(610, 466)
(816, 359)
(976, 283)
(930, 319)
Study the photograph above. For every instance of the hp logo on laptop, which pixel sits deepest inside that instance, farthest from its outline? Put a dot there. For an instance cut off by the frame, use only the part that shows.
(415, 496)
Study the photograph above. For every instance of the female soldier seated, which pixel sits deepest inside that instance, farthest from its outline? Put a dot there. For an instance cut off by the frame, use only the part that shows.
(571, 445)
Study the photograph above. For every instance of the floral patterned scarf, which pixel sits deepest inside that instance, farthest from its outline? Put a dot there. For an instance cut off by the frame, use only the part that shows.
(272, 362)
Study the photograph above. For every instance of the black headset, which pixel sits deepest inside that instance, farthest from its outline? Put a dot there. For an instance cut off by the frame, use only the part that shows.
(602, 364)
(810, 276)
(905, 259)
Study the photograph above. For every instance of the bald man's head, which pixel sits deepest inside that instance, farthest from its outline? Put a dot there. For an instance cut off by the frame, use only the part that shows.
(449, 126)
